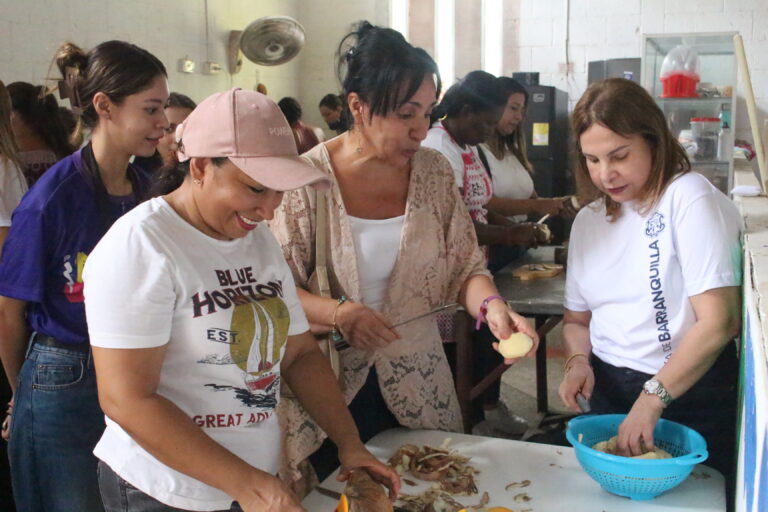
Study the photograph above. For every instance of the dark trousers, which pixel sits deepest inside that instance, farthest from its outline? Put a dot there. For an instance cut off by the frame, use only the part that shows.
(120, 496)
(484, 360)
(371, 416)
(709, 407)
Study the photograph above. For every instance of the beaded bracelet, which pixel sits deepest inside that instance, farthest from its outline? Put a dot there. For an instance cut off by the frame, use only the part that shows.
(484, 309)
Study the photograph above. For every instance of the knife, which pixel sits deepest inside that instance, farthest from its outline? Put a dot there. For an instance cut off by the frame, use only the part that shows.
(428, 313)
(327, 492)
(583, 403)
(343, 344)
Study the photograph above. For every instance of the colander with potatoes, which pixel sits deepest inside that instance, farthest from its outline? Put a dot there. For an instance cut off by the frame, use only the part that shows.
(636, 478)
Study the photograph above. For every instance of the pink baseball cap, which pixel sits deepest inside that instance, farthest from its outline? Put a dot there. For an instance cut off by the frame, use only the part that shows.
(249, 129)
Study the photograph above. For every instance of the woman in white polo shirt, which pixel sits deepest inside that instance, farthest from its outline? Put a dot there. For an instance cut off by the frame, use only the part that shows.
(652, 294)
(194, 320)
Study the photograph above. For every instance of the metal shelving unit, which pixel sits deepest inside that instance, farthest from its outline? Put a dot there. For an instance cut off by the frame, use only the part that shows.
(717, 67)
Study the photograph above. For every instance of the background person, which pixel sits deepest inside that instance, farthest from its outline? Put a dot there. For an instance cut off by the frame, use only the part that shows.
(193, 336)
(120, 89)
(332, 109)
(468, 115)
(176, 110)
(514, 195)
(656, 341)
(400, 242)
(13, 186)
(306, 136)
(42, 130)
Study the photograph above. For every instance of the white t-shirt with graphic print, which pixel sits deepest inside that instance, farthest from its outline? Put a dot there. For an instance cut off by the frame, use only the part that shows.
(224, 309)
(468, 170)
(636, 274)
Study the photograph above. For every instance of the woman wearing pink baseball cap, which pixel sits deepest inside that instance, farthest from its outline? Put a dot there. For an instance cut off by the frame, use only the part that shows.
(194, 320)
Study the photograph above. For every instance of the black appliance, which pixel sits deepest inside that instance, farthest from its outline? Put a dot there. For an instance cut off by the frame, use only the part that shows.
(547, 139)
(614, 68)
(546, 136)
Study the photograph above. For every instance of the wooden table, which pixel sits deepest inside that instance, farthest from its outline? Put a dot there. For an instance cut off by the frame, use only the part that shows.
(557, 480)
(541, 299)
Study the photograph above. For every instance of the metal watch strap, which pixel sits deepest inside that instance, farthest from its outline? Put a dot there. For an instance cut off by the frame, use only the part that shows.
(660, 391)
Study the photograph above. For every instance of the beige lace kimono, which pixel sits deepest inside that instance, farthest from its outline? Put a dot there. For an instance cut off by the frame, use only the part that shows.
(438, 252)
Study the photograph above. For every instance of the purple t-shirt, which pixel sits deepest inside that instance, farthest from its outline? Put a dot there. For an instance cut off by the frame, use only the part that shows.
(54, 228)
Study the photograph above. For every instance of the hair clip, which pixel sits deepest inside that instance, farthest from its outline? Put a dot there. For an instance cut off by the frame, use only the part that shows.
(68, 89)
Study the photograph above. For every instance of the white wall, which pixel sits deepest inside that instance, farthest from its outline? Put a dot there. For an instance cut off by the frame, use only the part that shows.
(31, 30)
(325, 23)
(604, 29)
(534, 37)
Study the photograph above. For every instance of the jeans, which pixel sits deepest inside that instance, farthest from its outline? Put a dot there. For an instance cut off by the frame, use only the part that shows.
(120, 496)
(55, 425)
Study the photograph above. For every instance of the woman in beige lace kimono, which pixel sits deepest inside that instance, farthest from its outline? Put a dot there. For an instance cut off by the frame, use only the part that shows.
(400, 243)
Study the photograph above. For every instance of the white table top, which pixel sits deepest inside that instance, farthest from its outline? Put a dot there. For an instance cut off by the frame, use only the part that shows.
(557, 480)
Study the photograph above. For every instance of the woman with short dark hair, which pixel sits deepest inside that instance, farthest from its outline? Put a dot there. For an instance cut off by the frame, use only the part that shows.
(400, 243)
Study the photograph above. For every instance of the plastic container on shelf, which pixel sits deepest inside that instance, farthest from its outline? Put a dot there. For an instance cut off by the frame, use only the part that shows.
(680, 73)
(724, 146)
(706, 134)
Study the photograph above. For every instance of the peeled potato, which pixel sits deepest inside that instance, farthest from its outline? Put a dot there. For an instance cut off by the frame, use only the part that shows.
(517, 345)
(610, 446)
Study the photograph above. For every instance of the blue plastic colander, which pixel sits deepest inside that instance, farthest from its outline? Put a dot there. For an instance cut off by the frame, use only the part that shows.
(638, 479)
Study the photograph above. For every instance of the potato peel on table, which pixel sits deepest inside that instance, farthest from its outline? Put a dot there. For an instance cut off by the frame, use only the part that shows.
(436, 465)
(437, 500)
(448, 469)
(517, 485)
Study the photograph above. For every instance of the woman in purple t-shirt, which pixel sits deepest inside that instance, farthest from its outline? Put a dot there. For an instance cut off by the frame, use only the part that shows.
(118, 90)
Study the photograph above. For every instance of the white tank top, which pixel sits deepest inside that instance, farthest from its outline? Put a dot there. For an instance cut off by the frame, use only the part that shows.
(377, 243)
(511, 180)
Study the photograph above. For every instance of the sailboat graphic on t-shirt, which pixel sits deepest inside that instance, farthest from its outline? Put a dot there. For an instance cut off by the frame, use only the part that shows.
(262, 330)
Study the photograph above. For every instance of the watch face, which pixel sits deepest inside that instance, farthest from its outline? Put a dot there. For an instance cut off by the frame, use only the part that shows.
(651, 386)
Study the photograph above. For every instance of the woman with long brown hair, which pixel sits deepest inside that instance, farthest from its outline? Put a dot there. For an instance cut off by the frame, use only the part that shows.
(654, 271)
(119, 90)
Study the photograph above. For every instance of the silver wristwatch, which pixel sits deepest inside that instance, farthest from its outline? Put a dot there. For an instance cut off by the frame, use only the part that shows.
(654, 387)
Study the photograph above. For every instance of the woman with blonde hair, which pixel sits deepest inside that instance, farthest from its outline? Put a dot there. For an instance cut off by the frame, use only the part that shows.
(12, 182)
